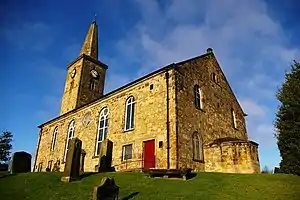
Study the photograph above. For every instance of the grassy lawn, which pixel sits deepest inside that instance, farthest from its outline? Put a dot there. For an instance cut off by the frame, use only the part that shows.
(43, 186)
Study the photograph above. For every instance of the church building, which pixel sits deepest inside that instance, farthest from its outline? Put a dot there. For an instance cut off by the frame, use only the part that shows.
(183, 115)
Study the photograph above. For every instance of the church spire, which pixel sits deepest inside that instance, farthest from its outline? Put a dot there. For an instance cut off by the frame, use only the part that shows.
(90, 45)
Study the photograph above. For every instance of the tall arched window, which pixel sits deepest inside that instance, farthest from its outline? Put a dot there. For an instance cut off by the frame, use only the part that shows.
(197, 147)
(54, 138)
(198, 97)
(233, 118)
(129, 118)
(69, 137)
(102, 129)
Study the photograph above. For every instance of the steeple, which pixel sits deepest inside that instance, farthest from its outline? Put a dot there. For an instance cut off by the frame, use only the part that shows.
(90, 45)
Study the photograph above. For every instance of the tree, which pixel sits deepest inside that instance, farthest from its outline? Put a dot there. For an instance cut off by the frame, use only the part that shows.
(5, 146)
(287, 121)
(266, 170)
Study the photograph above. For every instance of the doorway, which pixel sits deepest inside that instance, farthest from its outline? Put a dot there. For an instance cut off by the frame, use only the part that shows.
(149, 154)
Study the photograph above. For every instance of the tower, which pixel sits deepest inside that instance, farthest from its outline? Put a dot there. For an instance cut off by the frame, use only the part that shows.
(85, 75)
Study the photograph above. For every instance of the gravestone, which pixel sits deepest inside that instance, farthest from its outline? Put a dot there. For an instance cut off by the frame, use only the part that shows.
(82, 156)
(72, 165)
(105, 156)
(107, 190)
(21, 162)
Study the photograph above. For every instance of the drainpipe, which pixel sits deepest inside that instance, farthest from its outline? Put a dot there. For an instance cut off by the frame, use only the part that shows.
(37, 149)
(168, 122)
(176, 119)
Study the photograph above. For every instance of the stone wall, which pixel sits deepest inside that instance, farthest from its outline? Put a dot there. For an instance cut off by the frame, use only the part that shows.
(215, 119)
(150, 123)
(232, 157)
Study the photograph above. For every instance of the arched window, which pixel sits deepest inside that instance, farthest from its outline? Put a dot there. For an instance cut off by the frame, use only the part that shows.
(129, 118)
(102, 129)
(197, 147)
(198, 97)
(54, 138)
(69, 137)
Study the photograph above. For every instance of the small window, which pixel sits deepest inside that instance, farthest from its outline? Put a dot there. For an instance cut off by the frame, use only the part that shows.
(151, 87)
(233, 115)
(127, 152)
(40, 167)
(198, 97)
(50, 164)
(129, 118)
(92, 84)
(160, 144)
(214, 77)
(54, 138)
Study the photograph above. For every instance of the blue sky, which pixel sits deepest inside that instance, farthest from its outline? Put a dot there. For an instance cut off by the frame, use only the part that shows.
(254, 42)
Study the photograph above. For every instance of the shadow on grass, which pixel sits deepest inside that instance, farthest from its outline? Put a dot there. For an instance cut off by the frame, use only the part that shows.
(190, 176)
(130, 196)
(87, 174)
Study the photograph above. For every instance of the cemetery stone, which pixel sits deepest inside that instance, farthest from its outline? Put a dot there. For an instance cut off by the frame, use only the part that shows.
(105, 156)
(21, 162)
(72, 165)
(107, 190)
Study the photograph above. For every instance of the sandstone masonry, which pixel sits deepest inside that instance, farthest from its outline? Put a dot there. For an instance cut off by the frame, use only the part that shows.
(169, 131)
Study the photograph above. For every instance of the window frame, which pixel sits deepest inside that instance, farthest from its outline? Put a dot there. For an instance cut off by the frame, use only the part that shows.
(130, 103)
(71, 131)
(50, 162)
(53, 141)
(214, 77)
(198, 97)
(124, 158)
(40, 167)
(104, 129)
(233, 116)
(197, 143)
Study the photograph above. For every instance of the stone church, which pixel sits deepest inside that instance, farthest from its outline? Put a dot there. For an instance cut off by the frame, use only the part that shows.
(183, 115)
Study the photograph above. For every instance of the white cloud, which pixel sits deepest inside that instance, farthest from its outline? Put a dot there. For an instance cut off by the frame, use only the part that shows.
(252, 108)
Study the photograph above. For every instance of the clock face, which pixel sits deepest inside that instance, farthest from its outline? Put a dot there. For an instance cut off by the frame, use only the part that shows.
(73, 73)
(94, 73)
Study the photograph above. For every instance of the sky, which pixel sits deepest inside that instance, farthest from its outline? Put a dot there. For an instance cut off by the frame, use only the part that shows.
(255, 41)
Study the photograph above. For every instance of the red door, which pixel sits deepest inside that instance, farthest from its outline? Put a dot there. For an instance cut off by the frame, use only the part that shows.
(149, 157)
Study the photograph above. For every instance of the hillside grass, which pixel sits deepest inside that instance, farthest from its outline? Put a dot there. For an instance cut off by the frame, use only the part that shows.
(44, 186)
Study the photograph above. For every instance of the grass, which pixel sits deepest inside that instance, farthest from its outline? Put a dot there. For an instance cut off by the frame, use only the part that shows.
(136, 186)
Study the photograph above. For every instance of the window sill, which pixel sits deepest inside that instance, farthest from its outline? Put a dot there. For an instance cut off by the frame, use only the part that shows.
(126, 161)
(128, 130)
(95, 157)
(200, 109)
(196, 160)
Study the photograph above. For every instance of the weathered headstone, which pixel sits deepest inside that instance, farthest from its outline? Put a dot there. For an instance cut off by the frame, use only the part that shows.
(107, 190)
(82, 156)
(21, 162)
(105, 156)
(72, 165)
